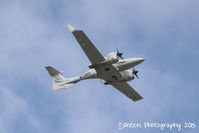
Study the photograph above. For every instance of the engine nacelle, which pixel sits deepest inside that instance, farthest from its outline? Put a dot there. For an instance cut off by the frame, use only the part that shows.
(127, 75)
(111, 58)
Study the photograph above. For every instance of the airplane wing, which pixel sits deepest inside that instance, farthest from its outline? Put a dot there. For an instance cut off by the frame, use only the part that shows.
(90, 50)
(127, 90)
(106, 71)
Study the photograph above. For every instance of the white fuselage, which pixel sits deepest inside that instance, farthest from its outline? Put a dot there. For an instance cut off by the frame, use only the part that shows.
(121, 65)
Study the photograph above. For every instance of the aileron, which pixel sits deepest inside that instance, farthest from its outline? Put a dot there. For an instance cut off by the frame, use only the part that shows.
(89, 49)
(127, 90)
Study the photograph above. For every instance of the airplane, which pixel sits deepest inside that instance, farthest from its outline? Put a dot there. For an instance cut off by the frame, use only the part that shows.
(112, 68)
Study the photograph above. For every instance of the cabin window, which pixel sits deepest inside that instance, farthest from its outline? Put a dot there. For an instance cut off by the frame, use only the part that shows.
(107, 69)
(114, 77)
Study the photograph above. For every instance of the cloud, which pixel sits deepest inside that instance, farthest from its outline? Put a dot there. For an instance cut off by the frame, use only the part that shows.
(16, 111)
(33, 34)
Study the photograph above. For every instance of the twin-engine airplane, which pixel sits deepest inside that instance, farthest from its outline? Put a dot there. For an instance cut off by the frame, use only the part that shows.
(111, 68)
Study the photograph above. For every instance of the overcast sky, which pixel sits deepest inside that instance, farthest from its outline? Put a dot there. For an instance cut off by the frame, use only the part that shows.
(33, 34)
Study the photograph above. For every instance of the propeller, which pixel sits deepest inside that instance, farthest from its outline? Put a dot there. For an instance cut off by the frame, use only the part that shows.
(119, 54)
(135, 72)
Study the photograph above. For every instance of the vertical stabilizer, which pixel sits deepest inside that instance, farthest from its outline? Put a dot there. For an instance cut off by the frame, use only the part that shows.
(58, 81)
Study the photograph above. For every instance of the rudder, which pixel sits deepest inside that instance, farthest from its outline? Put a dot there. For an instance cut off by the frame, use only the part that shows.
(58, 81)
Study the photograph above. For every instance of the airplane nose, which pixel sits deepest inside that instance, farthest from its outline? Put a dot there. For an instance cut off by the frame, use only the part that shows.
(135, 61)
(140, 60)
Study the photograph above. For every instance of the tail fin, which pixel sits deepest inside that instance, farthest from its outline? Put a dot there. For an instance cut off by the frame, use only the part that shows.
(58, 81)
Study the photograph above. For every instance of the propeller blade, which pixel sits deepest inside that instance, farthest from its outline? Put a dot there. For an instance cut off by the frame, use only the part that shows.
(135, 73)
(137, 76)
(119, 54)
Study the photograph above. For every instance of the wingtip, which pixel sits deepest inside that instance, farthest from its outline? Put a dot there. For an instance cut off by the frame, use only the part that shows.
(71, 28)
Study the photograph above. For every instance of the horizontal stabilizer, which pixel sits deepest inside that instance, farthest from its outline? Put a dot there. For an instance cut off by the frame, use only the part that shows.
(62, 86)
(52, 71)
(58, 81)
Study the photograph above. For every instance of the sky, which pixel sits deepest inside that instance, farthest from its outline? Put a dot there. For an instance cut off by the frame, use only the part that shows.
(33, 34)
